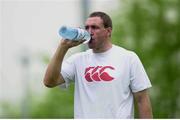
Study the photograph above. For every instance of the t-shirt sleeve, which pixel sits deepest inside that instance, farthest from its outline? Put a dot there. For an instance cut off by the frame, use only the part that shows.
(138, 77)
(68, 71)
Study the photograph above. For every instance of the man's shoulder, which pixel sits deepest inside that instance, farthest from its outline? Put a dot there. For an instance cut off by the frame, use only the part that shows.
(124, 51)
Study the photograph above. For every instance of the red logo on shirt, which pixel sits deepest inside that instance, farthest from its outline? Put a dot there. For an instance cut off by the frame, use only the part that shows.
(98, 73)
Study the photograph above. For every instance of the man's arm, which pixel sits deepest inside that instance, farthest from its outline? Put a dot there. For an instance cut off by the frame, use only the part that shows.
(144, 104)
(53, 76)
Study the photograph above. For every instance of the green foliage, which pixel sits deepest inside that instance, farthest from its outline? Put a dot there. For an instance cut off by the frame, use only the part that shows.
(57, 103)
(151, 28)
(9, 110)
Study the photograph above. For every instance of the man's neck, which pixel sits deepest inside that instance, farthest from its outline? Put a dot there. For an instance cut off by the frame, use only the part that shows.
(103, 49)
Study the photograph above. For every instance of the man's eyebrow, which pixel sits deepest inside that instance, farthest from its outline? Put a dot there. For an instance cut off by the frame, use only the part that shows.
(92, 26)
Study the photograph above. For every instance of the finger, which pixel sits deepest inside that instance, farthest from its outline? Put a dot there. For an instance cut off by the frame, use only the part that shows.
(80, 42)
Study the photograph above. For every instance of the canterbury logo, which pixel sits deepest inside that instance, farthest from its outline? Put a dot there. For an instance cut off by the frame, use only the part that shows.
(98, 73)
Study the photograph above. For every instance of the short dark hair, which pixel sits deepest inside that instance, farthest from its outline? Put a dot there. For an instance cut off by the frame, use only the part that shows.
(107, 22)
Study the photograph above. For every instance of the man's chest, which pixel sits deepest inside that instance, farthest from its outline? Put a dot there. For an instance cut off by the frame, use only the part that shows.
(103, 70)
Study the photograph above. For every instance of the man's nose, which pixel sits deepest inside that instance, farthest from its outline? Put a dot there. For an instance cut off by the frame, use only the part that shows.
(90, 31)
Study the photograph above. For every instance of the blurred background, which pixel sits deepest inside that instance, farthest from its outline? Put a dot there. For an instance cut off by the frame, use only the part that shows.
(29, 37)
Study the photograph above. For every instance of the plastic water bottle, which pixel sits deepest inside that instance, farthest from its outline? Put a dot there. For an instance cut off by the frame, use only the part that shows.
(72, 33)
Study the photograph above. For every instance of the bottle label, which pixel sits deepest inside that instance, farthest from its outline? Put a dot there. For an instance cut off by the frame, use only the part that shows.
(80, 35)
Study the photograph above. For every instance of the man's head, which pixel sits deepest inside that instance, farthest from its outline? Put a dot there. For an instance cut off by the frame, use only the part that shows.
(107, 22)
(99, 25)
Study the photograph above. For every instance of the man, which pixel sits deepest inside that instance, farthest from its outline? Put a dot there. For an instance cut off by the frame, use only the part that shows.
(107, 77)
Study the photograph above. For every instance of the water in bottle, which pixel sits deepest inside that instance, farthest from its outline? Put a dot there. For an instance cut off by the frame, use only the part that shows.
(76, 34)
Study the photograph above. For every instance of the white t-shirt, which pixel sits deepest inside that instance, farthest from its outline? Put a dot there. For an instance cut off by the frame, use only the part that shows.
(104, 82)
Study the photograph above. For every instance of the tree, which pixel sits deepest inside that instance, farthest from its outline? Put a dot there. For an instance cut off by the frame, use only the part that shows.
(151, 28)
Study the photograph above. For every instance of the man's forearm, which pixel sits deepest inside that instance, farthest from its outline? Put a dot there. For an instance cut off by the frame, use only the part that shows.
(145, 110)
(52, 74)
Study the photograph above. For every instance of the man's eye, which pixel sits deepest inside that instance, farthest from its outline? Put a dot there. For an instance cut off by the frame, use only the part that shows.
(86, 27)
(92, 27)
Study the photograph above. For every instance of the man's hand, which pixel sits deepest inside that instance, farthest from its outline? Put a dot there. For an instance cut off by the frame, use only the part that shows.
(70, 43)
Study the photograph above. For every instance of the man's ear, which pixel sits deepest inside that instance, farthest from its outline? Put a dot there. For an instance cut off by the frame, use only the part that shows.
(109, 31)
